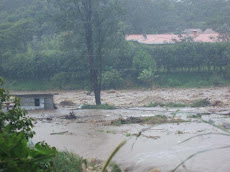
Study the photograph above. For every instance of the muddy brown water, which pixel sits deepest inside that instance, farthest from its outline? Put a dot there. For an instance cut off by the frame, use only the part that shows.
(135, 98)
(90, 136)
(159, 146)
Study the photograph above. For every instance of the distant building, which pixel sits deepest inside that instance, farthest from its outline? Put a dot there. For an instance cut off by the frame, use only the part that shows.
(36, 101)
(195, 35)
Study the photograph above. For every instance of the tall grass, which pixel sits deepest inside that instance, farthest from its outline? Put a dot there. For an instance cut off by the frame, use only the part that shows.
(68, 162)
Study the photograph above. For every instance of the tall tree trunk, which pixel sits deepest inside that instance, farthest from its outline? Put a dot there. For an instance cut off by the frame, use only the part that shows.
(90, 48)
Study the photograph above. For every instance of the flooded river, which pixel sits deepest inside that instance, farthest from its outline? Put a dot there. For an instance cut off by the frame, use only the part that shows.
(158, 147)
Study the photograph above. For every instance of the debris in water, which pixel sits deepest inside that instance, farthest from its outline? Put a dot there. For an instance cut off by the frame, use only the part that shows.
(131, 120)
(49, 118)
(67, 103)
(59, 133)
(151, 137)
(71, 116)
(80, 107)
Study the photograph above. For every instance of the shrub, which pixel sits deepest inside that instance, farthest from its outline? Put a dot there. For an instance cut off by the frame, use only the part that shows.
(111, 79)
(147, 76)
(16, 156)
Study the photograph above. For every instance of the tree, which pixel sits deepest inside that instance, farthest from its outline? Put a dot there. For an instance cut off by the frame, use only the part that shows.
(95, 20)
(224, 32)
(145, 66)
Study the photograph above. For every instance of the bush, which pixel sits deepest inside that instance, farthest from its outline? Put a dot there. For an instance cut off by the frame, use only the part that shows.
(147, 76)
(111, 79)
(143, 60)
(16, 156)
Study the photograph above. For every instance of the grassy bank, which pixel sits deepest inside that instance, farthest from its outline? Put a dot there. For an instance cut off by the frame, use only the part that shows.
(164, 80)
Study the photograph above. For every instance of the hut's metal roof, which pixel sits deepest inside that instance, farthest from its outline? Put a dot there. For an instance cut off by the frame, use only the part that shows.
(33, 94)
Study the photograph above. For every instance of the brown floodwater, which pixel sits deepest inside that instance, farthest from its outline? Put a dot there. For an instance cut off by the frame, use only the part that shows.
(159, 146)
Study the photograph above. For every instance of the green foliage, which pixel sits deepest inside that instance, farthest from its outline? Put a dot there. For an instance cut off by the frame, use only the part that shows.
(16, 156)
(145, 65)
(111, 79)
(15, 131)
(102, 106)
(227, 72)
(32, 45)
(29, 85)
(147, 76)
(117, 123)
(197, 103)
(166, 16)
(161, 119)
(115, 168)
(15, 119)
(67, 162)
(143, 60)
(4, 96)
(189, 79)
(128, 135)
(68, 80)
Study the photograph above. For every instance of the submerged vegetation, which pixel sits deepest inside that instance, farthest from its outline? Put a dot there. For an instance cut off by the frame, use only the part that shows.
(196, 103)
(102, 106)
(158, 119)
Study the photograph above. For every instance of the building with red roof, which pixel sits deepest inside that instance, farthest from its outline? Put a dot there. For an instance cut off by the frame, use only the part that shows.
(193, 35)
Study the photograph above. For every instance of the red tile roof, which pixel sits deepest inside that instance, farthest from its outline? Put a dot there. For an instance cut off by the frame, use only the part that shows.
(170, 38)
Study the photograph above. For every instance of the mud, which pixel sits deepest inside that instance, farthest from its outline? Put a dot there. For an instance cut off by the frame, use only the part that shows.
(149, 146)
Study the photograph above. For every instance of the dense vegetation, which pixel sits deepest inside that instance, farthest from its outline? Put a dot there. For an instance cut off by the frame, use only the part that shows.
(38, 43)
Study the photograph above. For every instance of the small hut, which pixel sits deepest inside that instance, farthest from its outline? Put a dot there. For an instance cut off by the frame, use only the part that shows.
(36, 101)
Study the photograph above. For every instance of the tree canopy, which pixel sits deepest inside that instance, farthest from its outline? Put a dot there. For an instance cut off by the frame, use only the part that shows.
(40, 37)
